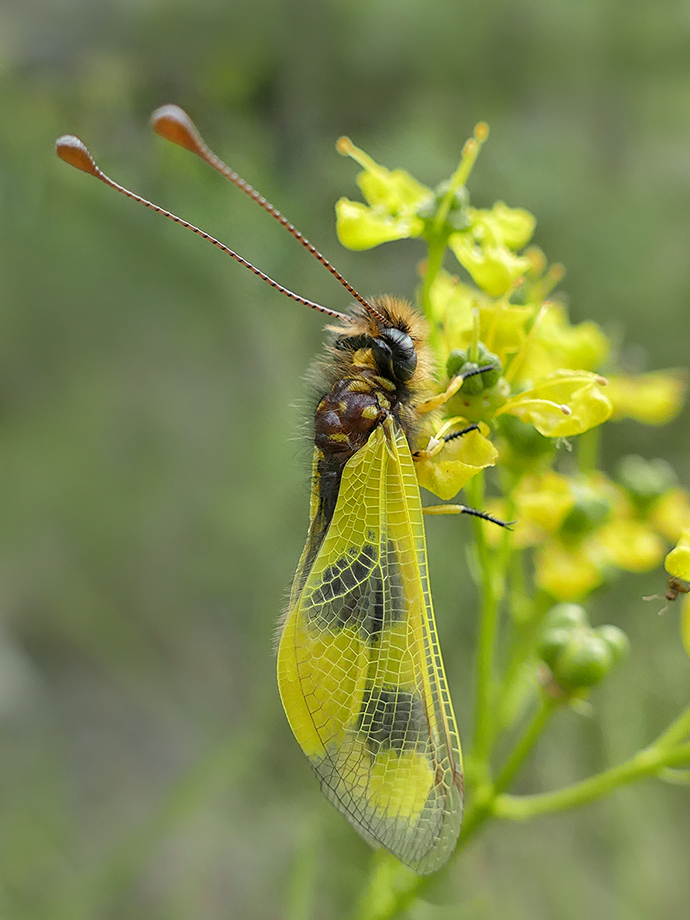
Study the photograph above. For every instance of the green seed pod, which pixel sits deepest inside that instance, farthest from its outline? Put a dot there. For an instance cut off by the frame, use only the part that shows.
(455, 361)
(578, 655)
(472, 386)
(552, 644)
(566, 615)
(458, 363)
(617, 641)
(583, 662)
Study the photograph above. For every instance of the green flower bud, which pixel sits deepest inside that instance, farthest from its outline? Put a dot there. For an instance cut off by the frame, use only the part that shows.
(566, 616)
(585, 661)
(458, 364)
(455, 361)
(578, 655)
(552, 644)
(458, 217)
(617, 641)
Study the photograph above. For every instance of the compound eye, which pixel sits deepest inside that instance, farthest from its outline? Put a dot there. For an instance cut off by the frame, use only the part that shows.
(403, 354)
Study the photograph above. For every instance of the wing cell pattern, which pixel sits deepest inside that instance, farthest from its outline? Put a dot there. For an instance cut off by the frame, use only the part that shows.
(360, 670)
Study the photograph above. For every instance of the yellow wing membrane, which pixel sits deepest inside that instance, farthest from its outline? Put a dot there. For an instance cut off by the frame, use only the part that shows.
(360, 670)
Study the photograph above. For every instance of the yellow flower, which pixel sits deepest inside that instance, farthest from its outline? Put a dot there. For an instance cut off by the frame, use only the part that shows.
(567, 570)
(670, 513)
(582, 530)
(654, 398)
(492, 267)
(444, 469)
(542, 501)
(393, 199)
(562, 404)
(677, 562)
(456, 307)
(554, 344)
(484, 241)
(631, 545)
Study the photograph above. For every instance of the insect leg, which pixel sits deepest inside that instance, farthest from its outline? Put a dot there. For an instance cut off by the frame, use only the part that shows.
(464, 509)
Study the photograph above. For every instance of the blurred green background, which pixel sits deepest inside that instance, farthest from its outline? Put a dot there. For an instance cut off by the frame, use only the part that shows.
(154, 421)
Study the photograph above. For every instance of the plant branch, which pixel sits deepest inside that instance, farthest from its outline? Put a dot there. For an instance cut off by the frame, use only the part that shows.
(645, 763)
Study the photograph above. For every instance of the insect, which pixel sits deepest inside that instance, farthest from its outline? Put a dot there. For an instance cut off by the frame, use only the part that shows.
(674, 588)
(360, 671)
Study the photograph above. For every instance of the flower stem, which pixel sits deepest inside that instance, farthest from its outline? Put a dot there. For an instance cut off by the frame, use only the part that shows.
(678, 731)
(524, 746)
(645, 763)
(488, 630)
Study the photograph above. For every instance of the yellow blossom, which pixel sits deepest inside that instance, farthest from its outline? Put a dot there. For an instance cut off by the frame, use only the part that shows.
(554, 344)
(446, 470)
(654, 398)
(567, 570)
(670, 514)
(631, 545)
(561, 404)
(678, 560)
(502, 325)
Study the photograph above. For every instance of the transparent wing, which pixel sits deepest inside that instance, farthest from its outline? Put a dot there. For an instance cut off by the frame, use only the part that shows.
(360, 670)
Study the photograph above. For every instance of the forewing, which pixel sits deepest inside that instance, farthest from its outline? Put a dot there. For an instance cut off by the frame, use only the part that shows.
(360, 670)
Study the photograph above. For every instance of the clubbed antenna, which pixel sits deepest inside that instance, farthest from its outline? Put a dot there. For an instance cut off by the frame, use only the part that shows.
(73, 151)
(173, 123)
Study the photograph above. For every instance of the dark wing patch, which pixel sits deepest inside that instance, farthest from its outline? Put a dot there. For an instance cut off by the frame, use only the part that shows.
(363, 588)
(392, 719)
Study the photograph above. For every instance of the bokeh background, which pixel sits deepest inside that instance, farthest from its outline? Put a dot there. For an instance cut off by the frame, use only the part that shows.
(154, 451)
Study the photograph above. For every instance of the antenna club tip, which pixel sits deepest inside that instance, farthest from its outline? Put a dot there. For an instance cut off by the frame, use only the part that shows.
(344, 146)
(75, 152)
(173, 123)
(481, 132)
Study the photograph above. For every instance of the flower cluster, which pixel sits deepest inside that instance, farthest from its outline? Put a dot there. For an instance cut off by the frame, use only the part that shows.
(545, 381)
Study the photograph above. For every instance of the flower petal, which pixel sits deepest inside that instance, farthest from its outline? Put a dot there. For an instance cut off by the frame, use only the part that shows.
(555, 343)
(568, 572)
(495, 269)
(677, 563)
(360, 227)
(653, 399)
(513, 227)
(562, 404)
(451, 469)
(631, 545)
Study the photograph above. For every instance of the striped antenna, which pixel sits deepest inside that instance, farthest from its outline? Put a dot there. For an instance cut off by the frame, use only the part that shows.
(173, 123)
(73, 151)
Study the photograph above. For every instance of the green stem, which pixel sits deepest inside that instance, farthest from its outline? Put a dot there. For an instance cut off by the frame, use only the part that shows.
(524, 746)
(386, 896)
(678, 731)
(645, 763)
(488, 630)
(526, 634)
